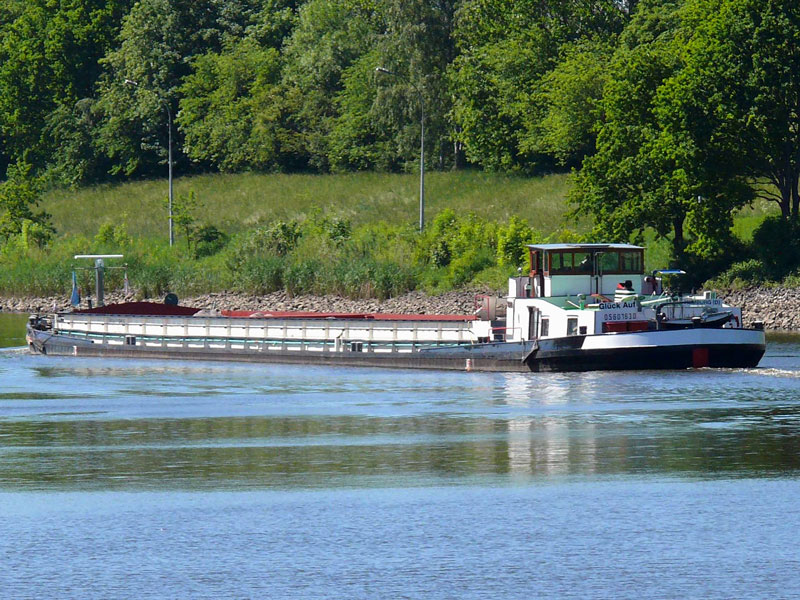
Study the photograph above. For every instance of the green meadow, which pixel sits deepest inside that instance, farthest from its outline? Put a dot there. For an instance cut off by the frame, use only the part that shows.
(238, 202)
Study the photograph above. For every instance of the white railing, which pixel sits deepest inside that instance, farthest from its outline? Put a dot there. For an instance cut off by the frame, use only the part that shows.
(266, 334)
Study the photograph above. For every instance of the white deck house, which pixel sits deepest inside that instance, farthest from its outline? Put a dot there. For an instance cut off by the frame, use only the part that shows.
(584, 289)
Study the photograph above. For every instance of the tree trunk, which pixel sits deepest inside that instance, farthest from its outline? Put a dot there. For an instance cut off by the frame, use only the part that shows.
(458, 153)
(786, 201)
(795, 195)
(678, 243)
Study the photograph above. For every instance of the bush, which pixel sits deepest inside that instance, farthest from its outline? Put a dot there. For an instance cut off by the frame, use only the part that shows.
(776, 243)
(153, 281)
(367, 278)
(511, 241)
(207, 240)
(451, 236)
(278, 238)
(261, 275)
(113, 237)
(741, 274)
(469, 264)
(303, 277)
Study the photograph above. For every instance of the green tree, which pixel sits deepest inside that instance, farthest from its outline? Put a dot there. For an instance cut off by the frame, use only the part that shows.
(184, 209)
(655, 166)
(19, 195)
(270, 24)
(329, 39)
(418, 46)
(570, 98)
(506, 48)
(741, 85)
(73, 130)
(361, 136)
(236, 115)
(49, 54)
(158, 42)
(353, 119)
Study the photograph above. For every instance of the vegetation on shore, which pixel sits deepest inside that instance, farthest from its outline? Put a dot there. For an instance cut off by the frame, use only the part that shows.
(235, 203)
(353, 235)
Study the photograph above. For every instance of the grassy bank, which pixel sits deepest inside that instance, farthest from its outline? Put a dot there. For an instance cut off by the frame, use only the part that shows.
(354, 234)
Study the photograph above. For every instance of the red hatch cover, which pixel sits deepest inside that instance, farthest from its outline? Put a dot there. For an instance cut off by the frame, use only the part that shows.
(141, 309)
(277, 314)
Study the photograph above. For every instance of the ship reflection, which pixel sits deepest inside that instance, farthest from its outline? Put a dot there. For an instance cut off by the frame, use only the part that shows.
(546, 444)
(550, 446)
(599, 423)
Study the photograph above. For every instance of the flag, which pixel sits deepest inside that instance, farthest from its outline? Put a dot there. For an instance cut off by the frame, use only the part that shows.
(75, 298)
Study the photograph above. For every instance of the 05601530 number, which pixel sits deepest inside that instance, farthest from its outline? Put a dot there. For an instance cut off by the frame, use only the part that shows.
(620, 316)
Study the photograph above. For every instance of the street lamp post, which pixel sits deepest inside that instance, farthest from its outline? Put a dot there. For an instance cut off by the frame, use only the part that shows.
(421, 149)
(169, 160)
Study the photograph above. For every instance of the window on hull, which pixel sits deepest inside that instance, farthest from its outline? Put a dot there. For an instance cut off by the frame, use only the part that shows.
(572, 326)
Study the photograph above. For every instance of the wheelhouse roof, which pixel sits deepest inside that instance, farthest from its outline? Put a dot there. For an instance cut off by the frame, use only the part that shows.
(587, 247)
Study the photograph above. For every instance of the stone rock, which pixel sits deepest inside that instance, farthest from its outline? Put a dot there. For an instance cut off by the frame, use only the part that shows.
(777, 308)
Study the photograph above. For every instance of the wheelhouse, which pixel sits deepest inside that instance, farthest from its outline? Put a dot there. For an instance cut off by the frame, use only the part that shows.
(572, 269)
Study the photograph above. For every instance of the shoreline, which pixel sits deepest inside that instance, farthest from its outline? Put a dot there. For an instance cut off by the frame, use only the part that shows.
(460, 302)
(777, 307)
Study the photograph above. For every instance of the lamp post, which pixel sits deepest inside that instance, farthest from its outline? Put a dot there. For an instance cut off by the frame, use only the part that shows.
(386, 71)
(169, 160)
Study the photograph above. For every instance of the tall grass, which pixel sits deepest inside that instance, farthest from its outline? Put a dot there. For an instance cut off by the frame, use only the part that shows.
(238, 202)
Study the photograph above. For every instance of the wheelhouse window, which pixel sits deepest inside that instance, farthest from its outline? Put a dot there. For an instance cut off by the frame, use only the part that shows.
(631, 262)
(570, 263)
(609, 262)
(535, 266)
(618, 261)
(621, 262)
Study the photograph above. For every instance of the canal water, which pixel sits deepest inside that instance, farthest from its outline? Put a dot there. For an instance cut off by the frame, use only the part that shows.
(123, 479)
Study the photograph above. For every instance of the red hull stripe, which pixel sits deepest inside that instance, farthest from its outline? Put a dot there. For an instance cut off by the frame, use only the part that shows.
(700, 357)
(141, 309)
(276, 314)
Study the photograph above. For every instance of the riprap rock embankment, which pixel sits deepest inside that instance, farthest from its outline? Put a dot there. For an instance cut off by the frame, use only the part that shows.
(777, 308)
(459, 302)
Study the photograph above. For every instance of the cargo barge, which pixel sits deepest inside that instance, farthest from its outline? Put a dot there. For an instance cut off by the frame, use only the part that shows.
(580, 307)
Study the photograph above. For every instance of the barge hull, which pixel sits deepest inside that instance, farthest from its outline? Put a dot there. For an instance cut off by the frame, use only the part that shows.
(655, 351)
(466, 360)
(634, 359)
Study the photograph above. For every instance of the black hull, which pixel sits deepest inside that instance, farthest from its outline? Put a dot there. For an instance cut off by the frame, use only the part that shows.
(730, 356)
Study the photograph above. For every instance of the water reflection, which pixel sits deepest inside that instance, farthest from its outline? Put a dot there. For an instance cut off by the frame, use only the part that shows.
(91, 424)
(280, 451)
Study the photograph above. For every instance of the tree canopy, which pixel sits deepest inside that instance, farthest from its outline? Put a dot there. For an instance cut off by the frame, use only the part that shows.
(700, 106)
